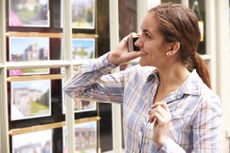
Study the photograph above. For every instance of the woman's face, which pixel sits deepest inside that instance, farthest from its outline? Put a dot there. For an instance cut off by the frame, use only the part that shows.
(152, 43)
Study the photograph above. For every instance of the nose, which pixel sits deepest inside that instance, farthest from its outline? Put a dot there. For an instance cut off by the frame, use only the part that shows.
(139, 43)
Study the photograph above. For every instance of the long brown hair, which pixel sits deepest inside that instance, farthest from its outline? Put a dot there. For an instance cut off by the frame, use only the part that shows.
(178, 23)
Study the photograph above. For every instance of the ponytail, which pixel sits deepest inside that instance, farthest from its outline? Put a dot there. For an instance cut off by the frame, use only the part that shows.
(201, 68)
(178, 23)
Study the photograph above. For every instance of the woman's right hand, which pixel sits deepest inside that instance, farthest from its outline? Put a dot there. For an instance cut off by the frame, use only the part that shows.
(120, 54)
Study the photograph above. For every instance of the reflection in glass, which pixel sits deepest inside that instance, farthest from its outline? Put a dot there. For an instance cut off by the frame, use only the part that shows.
(127, 17)
(196, 9)
(199, 8)
(173, 1)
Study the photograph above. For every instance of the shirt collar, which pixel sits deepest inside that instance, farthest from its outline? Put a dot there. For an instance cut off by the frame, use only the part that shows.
(153, 75)
(192, 85)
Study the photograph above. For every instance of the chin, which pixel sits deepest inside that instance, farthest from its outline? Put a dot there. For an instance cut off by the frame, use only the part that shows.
(145, 63)
(142, 63)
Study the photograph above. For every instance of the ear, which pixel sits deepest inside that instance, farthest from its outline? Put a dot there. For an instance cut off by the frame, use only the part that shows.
(173, 48)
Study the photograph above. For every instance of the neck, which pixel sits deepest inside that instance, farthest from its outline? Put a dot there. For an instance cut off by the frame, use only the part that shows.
(173, 76)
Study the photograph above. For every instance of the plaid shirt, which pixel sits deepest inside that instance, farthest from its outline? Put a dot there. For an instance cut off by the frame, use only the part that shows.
(196, 115)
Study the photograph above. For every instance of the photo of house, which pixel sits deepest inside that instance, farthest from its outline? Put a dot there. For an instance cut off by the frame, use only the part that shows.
(29, 13)
(83, 48)
(22, 49)
(28, 48)
(83, 14)
(30, 99)
(85, 138)
(35, 142)
(84, 105)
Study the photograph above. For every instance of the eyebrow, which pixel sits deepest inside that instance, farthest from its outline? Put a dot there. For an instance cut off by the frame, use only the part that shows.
(146, 31)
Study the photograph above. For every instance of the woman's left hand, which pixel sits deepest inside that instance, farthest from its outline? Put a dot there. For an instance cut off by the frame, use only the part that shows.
(161, 117)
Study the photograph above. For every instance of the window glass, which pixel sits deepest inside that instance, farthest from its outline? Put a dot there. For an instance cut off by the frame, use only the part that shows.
(34, 34)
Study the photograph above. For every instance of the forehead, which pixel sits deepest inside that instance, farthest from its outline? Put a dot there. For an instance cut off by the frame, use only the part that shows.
(150, 23)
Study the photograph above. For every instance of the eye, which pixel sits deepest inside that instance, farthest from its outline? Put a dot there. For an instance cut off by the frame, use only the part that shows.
(146, 35)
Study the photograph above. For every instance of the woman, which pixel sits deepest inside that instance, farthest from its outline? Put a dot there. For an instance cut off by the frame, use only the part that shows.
(168, 105)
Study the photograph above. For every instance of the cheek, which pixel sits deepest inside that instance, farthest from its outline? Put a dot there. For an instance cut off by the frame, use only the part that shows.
(151, 53)
(155, 51)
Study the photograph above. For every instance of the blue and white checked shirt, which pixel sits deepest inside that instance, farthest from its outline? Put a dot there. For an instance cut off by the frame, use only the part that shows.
(196, 115)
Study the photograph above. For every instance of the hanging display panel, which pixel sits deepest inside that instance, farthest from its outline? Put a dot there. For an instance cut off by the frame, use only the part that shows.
(30, 99)
(34, 142)
(83, 48)
(27, 13)
(28, 49)
(85, 138)
(83, 14)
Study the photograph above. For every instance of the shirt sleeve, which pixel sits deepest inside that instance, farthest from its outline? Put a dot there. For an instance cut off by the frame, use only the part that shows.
(171, 147)
(94, 81)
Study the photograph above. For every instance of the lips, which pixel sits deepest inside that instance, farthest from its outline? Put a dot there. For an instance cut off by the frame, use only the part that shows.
(143, 53)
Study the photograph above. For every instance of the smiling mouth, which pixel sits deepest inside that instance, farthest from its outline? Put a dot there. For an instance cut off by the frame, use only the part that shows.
(143, 53)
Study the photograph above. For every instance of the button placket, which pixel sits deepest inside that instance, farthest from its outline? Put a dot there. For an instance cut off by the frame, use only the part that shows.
(143, 132)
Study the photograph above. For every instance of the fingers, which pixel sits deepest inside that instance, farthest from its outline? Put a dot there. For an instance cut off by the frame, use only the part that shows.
(120, 54)
(160, 103)
(133, 34)
(132, 55)
(160, 113)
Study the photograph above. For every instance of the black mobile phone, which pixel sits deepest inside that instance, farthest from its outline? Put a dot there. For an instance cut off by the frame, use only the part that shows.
(131, 44)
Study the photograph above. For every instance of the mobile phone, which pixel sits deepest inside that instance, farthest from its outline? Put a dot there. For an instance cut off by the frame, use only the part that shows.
(131, 44)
